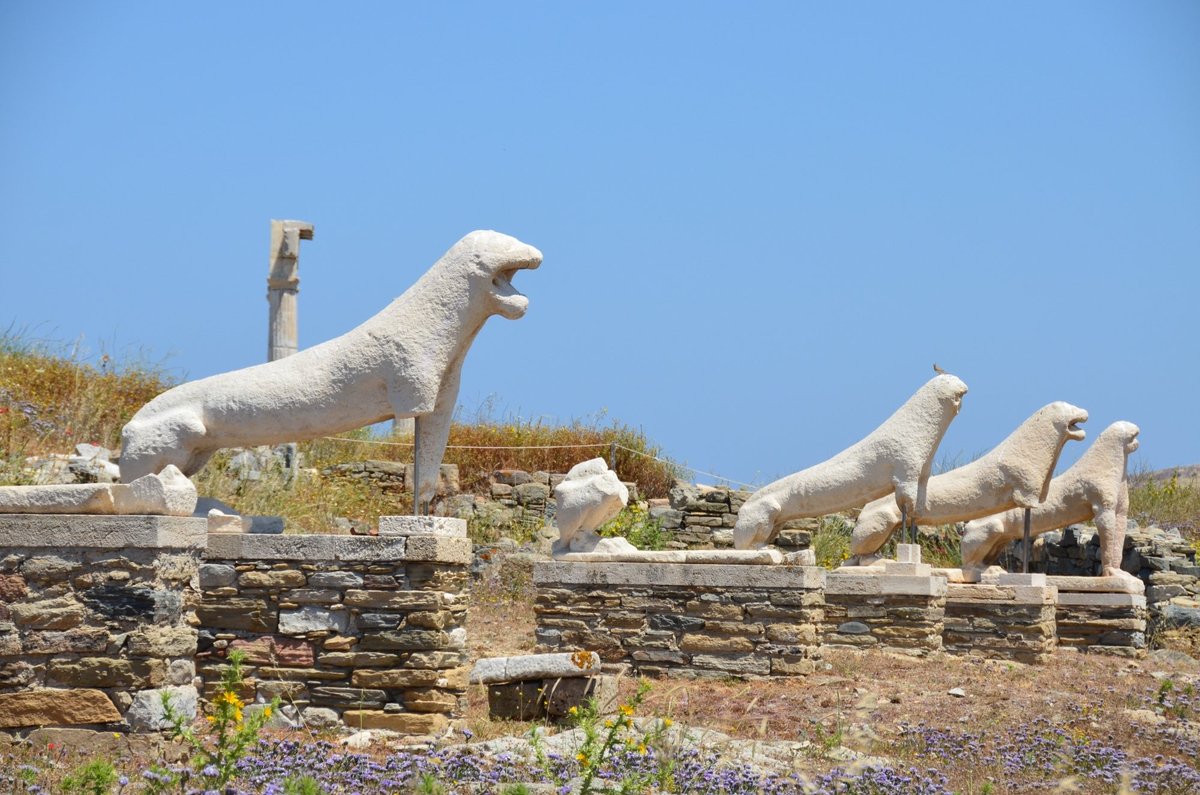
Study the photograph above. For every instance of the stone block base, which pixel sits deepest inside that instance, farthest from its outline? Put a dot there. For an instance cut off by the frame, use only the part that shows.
(896, 613)
(1102, 623)
(683, 620)
(94, 618)
(536, 699)
(359, 630)
(1001, 621)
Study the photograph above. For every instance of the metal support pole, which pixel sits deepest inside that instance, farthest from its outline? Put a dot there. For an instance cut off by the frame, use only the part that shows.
(903, 526)
(1027, 544)
(612, 456)
(416, 484)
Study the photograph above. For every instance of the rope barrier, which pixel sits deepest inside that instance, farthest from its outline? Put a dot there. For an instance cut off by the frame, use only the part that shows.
(688, 468)
(549, 447)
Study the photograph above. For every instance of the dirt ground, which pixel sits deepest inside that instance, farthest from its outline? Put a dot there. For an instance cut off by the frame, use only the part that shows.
(864, 701)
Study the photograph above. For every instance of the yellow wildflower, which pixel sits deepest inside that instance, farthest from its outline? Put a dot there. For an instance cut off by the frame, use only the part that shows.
(626, 710)
(642, 748)
(608, 724)
(574, 710)
(211, 718)
(667, 723)
(267, 712)
(582, 758)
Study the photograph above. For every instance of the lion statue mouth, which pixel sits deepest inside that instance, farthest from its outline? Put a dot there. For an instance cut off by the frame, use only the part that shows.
(512, 301)
(1074, 432)
(1131, 442)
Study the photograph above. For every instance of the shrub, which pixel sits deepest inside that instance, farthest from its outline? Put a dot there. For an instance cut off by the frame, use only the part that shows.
(831, 540)
(1174, 502)
(635, 525)
(232, 733)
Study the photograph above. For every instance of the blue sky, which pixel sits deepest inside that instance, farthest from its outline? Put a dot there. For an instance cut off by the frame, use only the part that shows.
(762, 222)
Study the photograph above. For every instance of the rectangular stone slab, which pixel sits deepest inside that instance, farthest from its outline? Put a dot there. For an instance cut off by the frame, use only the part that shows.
(880, 584)
(54, 707)
(1069, 599)
(103, 532)
(742, 557)
(236, 546)
(524, 667)
(1095, 584)
(702, 575)
(422, 525)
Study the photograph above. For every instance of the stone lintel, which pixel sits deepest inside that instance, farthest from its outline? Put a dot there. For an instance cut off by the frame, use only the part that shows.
(433, 549)
(884, 584)
(102, 532)
(422, 525)
(999, 592)
(1021, 579)
(521, 668)
(1066, 584)
(236, 546)
(702, 575)
(1076, 599)
(740, 557)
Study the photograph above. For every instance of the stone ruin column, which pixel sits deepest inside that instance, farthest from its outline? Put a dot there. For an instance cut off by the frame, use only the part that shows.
(283, 286)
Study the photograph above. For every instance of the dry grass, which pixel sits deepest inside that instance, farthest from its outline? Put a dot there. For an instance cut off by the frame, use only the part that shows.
(487, 444)
(50, 400)
(1173, 501)
(308, 505)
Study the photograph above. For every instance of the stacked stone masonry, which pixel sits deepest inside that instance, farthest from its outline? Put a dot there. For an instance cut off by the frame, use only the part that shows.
(702, 517)
(896, 613)
(362, 631)
(1162, 558)
(94, 619)
(1102, 623)
(1010, 622)
(683, 620)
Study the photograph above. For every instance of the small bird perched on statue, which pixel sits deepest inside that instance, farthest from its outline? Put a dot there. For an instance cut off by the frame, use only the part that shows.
(938, 370)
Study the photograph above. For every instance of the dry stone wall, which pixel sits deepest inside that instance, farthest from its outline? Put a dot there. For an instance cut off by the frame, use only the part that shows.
(1008, 622)
(1161, 558)
(1102, 623)
(702, 517)
(897, 613)
(95, 620)
(699, 621)
(362, 631)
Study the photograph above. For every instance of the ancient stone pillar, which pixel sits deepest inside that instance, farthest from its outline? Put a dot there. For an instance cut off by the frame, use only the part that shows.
(283, 285)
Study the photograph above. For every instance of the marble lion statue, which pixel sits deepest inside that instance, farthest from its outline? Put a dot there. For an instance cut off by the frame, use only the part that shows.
(403, 362)
(1095, 487)
(1016, 473)
(895, 457)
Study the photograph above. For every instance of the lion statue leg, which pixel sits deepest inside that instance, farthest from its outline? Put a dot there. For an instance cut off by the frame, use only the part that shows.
(875, 526)
(1111, 526)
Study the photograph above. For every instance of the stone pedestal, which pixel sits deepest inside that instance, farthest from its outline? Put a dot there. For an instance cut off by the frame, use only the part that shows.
(365, 631)
(901, 613)
(683, 620)
(1010, 618)
(94, 619)
(1102, 623)
(535, 699)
